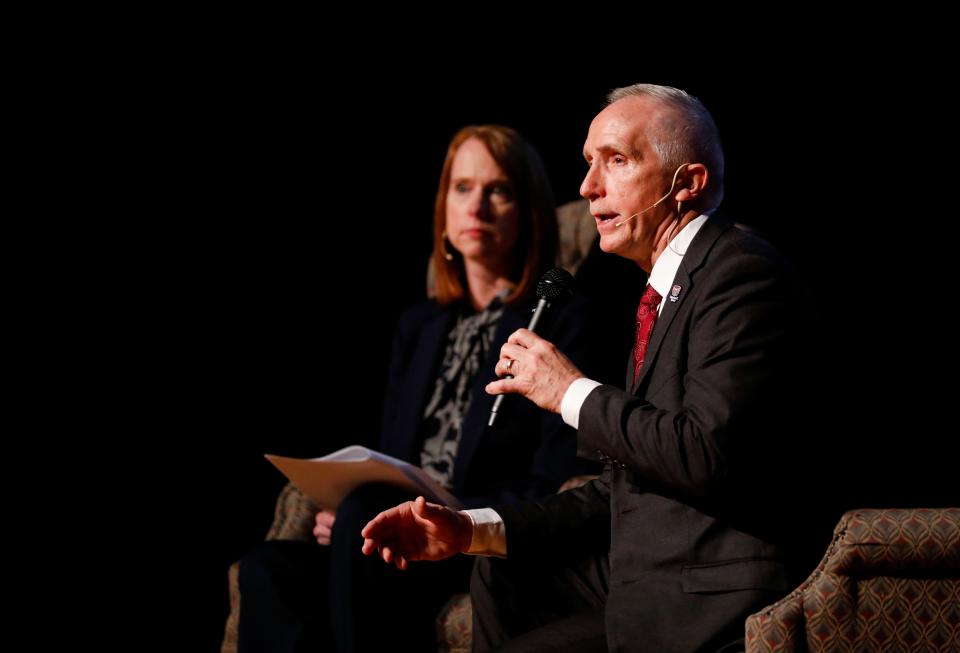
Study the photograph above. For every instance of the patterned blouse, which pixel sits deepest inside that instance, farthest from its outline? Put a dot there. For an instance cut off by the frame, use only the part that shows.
(468, 344)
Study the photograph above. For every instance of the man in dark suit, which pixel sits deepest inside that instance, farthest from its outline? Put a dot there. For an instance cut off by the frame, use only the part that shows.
(688, 530)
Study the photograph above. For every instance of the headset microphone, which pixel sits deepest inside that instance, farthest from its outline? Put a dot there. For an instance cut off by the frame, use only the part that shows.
(657, 203)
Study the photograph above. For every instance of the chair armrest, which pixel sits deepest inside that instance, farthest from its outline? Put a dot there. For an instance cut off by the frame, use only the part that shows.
(865, 543)
(917, 539)
(576, 481)
(293, 516)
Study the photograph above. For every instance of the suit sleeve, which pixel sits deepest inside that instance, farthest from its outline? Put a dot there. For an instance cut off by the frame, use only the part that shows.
(561, 526)
(731, 380)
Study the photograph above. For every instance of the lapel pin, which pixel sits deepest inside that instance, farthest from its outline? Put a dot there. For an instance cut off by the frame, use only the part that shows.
(675, 292)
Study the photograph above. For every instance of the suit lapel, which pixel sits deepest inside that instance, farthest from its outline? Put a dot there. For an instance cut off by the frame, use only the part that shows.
(692, 261)
(475, 421)
(662, 325)
(432, 342)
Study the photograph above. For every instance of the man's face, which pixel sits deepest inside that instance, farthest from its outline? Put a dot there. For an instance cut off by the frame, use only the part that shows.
(482, 213)
(625, 177)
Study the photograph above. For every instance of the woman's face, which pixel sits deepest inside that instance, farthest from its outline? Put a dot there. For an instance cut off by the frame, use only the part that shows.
(482, 213)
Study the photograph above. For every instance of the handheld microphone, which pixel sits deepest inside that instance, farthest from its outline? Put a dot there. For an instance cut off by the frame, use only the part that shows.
(553, 287)
(657, 203)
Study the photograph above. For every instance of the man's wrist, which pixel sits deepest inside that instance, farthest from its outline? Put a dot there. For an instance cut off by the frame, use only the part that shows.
(466, 531)
(488, 536)
(573, 399)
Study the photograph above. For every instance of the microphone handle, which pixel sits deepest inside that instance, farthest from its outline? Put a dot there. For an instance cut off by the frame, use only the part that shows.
(542, 305)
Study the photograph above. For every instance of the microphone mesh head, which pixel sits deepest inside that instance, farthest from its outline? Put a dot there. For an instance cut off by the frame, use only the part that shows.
(554, 284)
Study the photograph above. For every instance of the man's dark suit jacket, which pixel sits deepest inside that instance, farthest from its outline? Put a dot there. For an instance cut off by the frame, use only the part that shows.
(699, 457)
(528, 452)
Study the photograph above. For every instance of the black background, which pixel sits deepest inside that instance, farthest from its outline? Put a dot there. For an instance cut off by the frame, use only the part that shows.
(286, 222)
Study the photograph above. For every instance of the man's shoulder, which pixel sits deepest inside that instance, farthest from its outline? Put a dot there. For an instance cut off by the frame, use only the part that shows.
(742, 244)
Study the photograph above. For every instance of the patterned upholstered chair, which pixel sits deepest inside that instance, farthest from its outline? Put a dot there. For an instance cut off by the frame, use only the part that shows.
(890, 581)
(293, 515)
(292, 520)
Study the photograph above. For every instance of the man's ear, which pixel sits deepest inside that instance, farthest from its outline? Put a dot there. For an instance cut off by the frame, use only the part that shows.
(692, 182)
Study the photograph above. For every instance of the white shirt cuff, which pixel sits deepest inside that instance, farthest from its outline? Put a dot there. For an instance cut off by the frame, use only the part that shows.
(573, 400)
(489, 533)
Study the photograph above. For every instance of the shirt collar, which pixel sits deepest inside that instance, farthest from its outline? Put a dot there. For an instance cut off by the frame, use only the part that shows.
(665, 269)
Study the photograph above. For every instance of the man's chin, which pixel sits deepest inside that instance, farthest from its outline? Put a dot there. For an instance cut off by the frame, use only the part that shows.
(609, 244)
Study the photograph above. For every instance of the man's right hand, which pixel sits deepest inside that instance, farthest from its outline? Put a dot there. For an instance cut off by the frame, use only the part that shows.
(324, 527)
(417, 530)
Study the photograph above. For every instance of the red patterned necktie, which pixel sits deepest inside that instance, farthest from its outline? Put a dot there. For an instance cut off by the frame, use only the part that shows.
(646, 316)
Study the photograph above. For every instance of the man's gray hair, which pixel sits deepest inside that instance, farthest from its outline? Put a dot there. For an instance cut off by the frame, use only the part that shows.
(687, 134)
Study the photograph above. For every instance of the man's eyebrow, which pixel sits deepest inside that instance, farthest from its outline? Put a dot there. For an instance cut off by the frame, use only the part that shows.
(610, 147)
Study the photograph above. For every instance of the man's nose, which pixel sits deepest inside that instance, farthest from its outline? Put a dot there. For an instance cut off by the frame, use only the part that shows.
(591, 187)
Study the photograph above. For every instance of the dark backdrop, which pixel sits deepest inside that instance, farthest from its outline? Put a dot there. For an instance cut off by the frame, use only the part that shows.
(291, 224)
